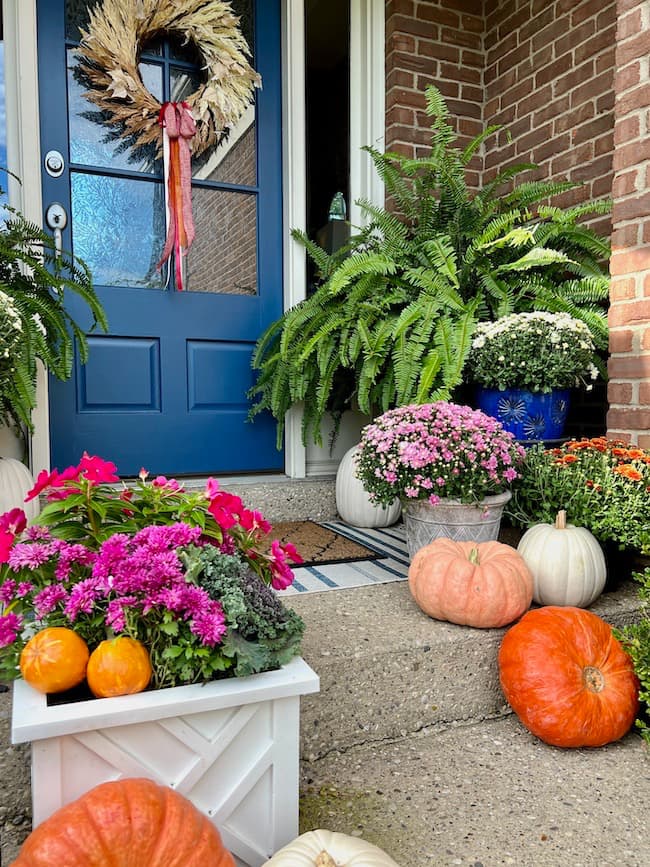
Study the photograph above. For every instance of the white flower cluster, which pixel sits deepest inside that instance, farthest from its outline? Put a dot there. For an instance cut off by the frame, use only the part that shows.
(562, 326)
(536, 351)
(10, 326)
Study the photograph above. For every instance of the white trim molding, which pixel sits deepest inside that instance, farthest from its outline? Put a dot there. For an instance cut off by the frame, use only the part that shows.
(294, 185)
(367, 127)
(24, 159)
(367, 100)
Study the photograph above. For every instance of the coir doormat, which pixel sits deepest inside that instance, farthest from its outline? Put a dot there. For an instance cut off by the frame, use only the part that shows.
(319, 545)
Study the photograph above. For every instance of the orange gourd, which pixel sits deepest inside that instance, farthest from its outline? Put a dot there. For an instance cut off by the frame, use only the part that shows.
(484, 584)
(568, 678)
(118, 666)
(54, 659)
(125, 823)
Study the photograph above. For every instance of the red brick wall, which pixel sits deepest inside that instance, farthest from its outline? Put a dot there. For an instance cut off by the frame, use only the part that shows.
(549, 79)
(544, 69)
(433, 42)
(629, 315)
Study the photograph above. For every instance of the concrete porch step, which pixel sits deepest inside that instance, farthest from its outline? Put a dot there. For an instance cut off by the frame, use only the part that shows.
(410, 745)
(389, 671)
(484, 795)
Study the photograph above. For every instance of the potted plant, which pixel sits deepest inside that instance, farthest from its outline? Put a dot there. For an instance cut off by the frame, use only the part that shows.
(602, 484)
(35, 326)
(391, 317)
(450, 465)
(636, 639)
(188, 578)
(525, 365)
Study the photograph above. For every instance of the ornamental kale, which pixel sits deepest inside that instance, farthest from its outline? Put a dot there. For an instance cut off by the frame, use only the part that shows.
(261, 633)
(436, 450)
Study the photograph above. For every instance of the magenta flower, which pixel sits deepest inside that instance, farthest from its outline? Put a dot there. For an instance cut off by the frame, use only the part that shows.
(29, 555)
(43, 481)
(14, 521)
(6, 541)
(46, 600)
(8, 591)
(10, 626)
(96, 470)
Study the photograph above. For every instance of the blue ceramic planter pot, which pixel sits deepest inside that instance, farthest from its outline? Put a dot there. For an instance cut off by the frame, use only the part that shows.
(529, 415)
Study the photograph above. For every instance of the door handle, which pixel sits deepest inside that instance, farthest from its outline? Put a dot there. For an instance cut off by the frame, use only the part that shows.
(57, 219)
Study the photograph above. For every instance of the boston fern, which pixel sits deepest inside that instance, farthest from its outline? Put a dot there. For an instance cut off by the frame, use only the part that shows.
(391, 320)
(33, 285)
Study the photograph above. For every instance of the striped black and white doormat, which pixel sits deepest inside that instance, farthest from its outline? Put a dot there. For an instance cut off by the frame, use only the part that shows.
(391, 565)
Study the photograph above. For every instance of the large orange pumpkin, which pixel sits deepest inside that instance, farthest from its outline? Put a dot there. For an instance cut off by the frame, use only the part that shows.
(54, 659)
(126, 823)
(118, 666)
(481, 584)
(568, 678)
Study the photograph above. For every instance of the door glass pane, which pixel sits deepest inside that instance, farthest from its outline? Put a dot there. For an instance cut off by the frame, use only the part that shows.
(183, 83)
(244, 11)
(93, 142)
(119, 229)
(77, 14)
(234, 161)
(223, 257)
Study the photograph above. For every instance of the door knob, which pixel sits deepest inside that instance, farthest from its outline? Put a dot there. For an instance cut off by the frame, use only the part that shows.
(57, 219)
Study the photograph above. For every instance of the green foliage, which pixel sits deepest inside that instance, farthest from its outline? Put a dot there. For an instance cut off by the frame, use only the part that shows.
(636, 639)
(391, 319)
(35, 281)
(602, 484)
(262, 634)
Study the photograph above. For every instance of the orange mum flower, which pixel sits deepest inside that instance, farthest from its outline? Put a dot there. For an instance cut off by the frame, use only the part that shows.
(636, 454)
(568, 459)
(629, 471)
(574, 445)
(620, 453)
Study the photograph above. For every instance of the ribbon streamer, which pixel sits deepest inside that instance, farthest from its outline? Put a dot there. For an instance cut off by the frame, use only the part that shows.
(178, 127)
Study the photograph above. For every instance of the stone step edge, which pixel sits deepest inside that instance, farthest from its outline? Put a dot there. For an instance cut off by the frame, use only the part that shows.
(372, 690)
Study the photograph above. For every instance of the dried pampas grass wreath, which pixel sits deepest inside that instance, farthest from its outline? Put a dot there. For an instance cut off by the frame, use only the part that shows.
(109, 54)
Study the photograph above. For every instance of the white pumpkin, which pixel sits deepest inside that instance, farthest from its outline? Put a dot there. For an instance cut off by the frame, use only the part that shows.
(567, 563)
(15, 482)
(330, 849)
(352, 501)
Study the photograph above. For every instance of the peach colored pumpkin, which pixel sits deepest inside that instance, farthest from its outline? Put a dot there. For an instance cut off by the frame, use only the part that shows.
(484, 584)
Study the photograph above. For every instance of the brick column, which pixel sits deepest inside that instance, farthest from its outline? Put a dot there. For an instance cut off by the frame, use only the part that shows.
(629, 314)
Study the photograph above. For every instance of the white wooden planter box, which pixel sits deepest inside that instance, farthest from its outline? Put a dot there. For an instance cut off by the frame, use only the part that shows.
(230, 746)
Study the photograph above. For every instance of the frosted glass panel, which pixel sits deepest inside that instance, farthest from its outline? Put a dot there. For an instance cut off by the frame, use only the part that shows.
(93, 142)
(119, 229)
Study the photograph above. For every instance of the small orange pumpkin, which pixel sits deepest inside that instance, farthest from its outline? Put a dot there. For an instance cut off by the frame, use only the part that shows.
(118, 666)
(54, 659)
(484, 584)
(126, 822)
(568, 678)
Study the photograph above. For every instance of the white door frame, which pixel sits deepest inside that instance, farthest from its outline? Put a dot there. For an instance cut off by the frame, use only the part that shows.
(367, 122)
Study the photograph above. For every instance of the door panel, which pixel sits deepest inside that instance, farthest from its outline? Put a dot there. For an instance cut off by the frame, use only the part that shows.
(166, 388)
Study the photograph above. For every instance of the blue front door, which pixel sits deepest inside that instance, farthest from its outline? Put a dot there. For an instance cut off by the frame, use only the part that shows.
(166, 387)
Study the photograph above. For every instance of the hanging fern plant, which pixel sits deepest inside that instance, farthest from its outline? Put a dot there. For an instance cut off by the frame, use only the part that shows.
(34, 282)
(391, 319)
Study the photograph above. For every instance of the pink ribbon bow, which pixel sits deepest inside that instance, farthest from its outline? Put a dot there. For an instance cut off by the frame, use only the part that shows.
(178, 128)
